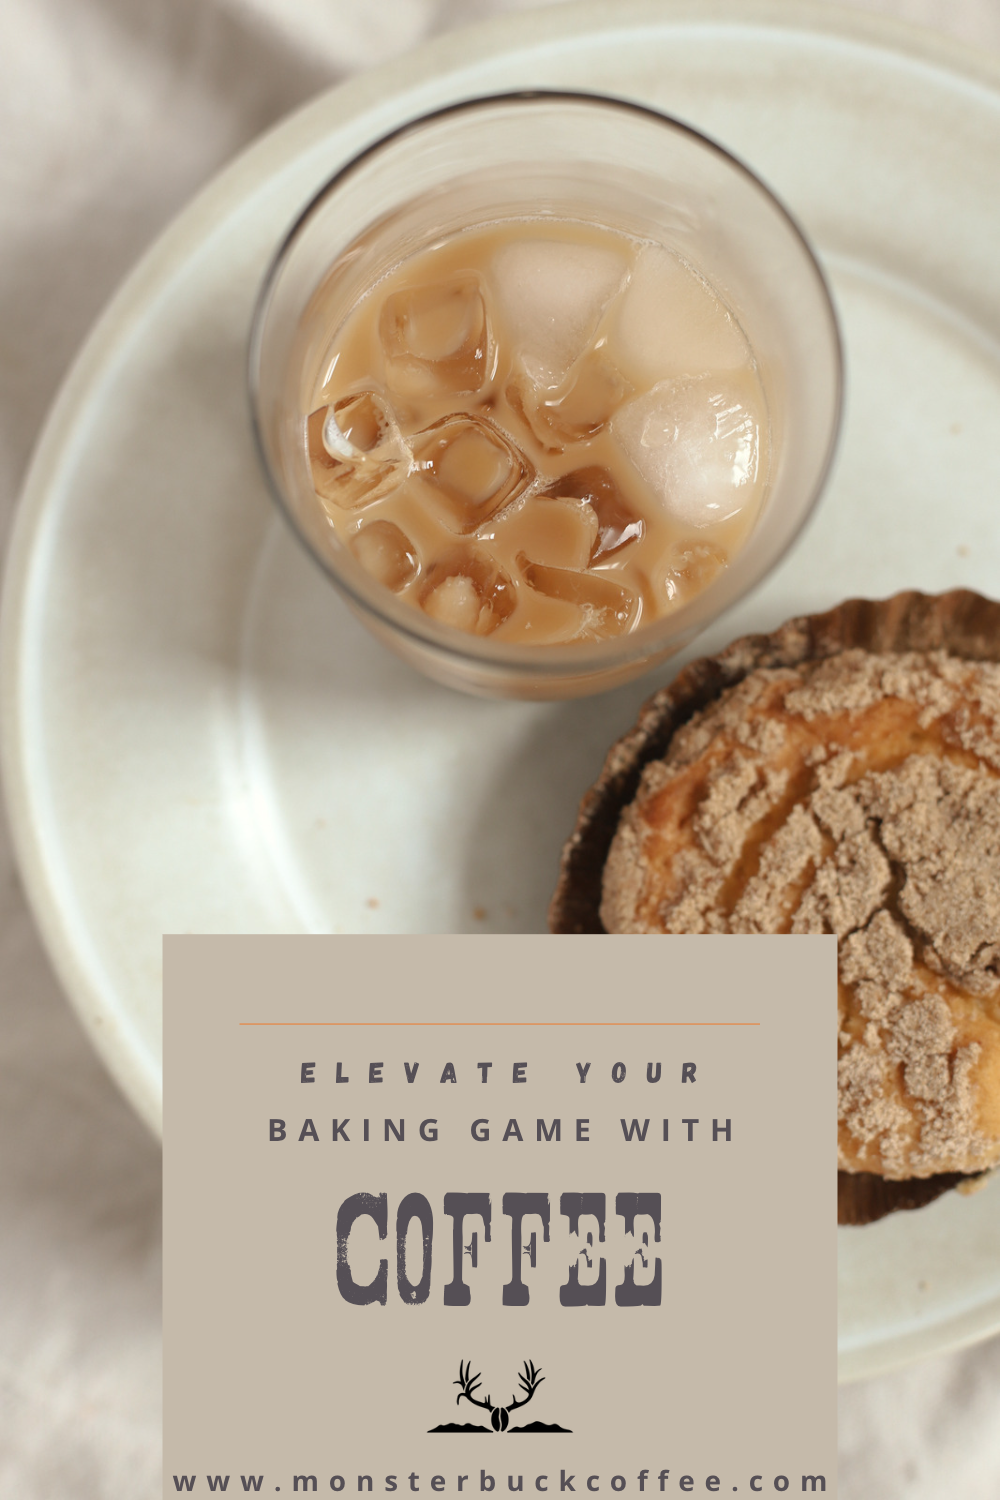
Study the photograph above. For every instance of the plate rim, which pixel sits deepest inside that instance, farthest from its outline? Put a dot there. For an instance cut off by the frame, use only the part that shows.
(962, 1331)
(100, 1009)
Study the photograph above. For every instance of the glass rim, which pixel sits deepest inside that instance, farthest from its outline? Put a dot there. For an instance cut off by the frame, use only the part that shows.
(566, 658)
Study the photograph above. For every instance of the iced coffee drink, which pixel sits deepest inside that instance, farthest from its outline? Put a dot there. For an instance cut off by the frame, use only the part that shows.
(544, 382)
(544, 432)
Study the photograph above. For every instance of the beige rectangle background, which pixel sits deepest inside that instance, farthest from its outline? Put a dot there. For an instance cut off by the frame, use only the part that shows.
(273, 1379)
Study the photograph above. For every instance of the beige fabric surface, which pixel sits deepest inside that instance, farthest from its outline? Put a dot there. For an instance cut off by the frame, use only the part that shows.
(112, 112)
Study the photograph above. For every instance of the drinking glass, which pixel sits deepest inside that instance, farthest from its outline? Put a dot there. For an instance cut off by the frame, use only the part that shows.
(549, 156)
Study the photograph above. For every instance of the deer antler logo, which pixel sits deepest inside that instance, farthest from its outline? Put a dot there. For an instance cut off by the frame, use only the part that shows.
(530, 1379)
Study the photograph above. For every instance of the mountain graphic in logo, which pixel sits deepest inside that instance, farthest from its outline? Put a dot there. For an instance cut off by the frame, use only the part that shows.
(530, 1379)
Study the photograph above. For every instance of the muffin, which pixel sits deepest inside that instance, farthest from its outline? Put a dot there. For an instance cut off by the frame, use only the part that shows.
(840, 776)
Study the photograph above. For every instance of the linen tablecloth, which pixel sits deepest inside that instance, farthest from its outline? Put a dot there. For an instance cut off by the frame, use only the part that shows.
(112, 113)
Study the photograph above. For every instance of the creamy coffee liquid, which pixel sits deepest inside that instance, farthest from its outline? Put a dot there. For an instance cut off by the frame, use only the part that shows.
(540, 431)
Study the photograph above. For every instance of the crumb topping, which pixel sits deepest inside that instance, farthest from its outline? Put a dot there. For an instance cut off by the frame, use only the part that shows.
(860, 796)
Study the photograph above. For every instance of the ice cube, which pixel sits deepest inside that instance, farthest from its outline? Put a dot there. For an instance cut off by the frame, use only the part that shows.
(385, 552)
(617, 521)
(560, 532)
(356, 452)
(695, 443)
(435, 339)
(553, 294)
(606, 608)
(465, 588)
(577, 408)
(669, 323)
(471, 468)
(694, 564)
(685, 570)
(357, 424)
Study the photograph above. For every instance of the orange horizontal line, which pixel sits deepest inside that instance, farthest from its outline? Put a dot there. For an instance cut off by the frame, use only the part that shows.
(499, 1023)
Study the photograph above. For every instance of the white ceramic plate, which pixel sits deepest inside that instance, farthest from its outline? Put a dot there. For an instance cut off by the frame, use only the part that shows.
(198, 736)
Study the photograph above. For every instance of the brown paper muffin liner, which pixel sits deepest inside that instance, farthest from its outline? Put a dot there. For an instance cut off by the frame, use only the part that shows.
(960, 622)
